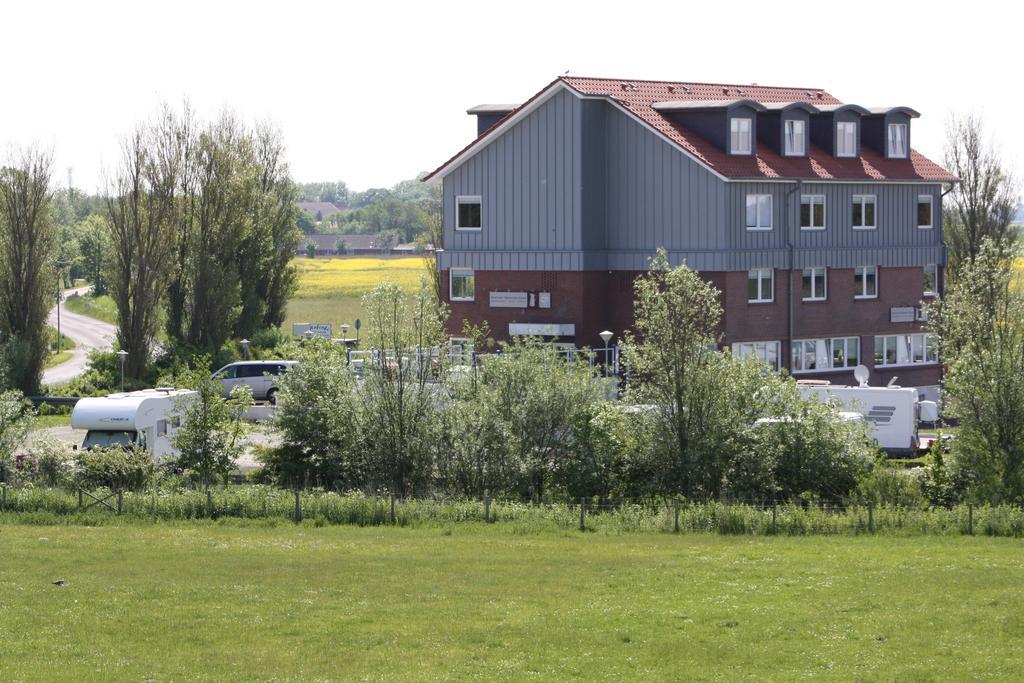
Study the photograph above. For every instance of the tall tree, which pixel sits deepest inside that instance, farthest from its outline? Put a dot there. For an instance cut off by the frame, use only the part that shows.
(981, 327)
(266, 253)
(27, 282)
(141, 206)
(983, 203)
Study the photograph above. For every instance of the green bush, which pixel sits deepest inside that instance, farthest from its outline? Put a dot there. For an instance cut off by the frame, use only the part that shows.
(117, 469)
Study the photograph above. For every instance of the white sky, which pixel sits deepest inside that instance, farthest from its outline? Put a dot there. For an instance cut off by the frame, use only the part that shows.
(374, 92)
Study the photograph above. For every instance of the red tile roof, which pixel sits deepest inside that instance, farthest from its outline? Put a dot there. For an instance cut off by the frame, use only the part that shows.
(637, 97)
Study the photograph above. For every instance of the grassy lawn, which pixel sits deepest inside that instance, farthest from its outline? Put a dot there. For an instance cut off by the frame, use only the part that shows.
(220, 602)
(330, 289)
(99, 307)
(66, 345)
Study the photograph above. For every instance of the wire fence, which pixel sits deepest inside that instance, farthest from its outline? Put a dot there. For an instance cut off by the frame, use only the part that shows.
(670, 515)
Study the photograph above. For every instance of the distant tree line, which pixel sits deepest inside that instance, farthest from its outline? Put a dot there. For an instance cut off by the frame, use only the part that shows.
(402, 212)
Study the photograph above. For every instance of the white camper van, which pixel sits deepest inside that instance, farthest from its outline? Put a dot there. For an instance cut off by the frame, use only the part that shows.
(148, 418)
(892, 412)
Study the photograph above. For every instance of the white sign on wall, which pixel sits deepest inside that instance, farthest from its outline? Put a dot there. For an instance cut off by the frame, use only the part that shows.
(542, 329)
(902, 314)
(317, 329)
(520, 299)
(509, 299)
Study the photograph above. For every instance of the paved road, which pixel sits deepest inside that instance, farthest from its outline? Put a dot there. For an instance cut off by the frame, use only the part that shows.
(88, 333)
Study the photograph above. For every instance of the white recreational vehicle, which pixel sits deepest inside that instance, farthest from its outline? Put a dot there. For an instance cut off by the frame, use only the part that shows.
(148, 418)
(892, 412)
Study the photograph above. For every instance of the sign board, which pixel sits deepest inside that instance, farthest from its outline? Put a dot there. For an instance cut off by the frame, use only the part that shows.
(520, 299)
(509, 299)
(902, 314)
(324, 330)
(560, 330)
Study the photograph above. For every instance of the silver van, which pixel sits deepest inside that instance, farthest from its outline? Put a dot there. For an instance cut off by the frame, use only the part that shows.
(260, 375)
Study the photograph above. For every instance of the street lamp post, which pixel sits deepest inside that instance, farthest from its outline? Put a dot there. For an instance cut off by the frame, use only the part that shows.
(245, 348)
(606, 337)
(122, 354)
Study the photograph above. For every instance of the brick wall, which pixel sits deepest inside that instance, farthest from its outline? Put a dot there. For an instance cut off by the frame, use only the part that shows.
(599, 300)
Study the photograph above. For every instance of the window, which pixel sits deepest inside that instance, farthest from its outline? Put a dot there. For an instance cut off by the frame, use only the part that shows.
(739, 136)
(846, 139)
(765, 351)
(759, 212)
(812, 212)
(795, 140)
(906, 349)
(931, 279)
(825, 354)
(161, 427)
(924, 211)
(897, 144)
(815, 283)
(865, 282)
(462, 285)
(760, 286)
(863, 212)
(467, 213)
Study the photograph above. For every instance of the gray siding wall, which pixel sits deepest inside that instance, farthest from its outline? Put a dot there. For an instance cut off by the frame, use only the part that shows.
(529, 180)
(579, 185)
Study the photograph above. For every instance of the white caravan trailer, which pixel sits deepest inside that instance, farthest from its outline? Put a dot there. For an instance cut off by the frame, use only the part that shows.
(892, 412)
(148, 418)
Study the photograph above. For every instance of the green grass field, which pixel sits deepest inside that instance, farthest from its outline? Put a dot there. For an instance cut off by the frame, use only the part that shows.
(99, 307)
(330, 290)
(218, 602)
(66, 345)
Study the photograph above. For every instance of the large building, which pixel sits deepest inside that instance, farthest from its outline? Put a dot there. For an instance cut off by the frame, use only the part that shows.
(816, 219)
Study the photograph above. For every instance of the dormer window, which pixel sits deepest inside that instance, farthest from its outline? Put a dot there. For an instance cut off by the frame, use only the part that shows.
(896, 146)
(739, 135)
(846, 139)
(795, 135)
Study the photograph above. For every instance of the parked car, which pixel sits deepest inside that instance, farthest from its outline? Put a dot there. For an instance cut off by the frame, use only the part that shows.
(260, 375)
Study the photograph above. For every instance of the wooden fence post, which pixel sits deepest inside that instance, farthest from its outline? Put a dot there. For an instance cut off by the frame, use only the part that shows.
(298, 507)
(120, 499)
(3, 496)
(675, 510)
(583, 513)
(79, 499)
(970, 519)
(392, 508)
(487, 508)
(774, 514)
(871, 516)
(209, 503)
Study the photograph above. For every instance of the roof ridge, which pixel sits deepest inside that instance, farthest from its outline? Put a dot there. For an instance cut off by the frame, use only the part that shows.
(682, 82)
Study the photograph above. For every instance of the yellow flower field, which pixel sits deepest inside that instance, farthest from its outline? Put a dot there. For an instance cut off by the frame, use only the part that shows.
(343, 277)
(331, 289)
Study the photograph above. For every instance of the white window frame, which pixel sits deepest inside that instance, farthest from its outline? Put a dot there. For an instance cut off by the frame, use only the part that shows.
(794, 151)
(469, 199)
(922, 199)
(759, 349)
(907, 346)
(760, 275)
(864, 200)
(934, 268)
(462, 272)
(815, 295)
(824, 354)
(736, 135)
(889, 140)
(758, 199)
(811, 200)
(840, 137)
(863, 270)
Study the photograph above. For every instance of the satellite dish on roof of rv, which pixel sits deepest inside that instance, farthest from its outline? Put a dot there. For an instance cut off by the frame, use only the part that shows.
(861, 374)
